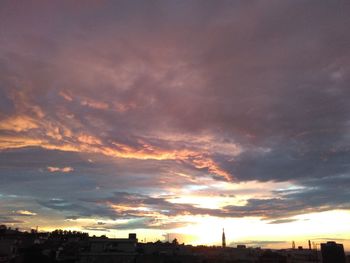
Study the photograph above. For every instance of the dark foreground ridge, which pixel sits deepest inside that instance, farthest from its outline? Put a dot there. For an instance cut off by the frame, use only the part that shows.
(77, 247)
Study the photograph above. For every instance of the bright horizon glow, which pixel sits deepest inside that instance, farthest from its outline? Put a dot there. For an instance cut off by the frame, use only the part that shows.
(253, 232)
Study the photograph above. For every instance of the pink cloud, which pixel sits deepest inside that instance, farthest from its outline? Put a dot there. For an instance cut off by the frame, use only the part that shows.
(53, 169)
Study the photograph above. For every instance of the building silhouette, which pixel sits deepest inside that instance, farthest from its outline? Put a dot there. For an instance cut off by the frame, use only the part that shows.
(76, 247)
(332, 252)
(223, 238)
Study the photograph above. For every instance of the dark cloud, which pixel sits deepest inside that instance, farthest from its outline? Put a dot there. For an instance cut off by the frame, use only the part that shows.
(141, 223)
(317, 195)
(79, 209)
(282, 221)
(95, 229)
(37, 158)
(9, 220)
(315, 155)
(277, 210)
(130, 202)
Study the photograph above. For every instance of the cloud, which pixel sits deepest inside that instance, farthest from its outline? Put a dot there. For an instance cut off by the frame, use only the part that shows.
(318, 195)
(140, 223)
(277, 109)
(282, 221)
(18, 124)
(235, 91)
(24, 213)
(78, 209)
(95, 229)
(141, 210)
(10, 220)
(53, 169)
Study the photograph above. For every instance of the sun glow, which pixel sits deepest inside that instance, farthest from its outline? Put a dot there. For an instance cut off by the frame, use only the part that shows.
(240, 230)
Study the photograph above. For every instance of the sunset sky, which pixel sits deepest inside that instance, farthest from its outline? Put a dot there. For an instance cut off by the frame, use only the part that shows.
(177, 118)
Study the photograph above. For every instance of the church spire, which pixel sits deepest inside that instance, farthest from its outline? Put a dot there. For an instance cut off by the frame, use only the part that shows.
(223, 238)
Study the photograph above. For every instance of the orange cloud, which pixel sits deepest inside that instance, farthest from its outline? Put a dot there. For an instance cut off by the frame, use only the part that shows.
(205, 162)
(25, 213)
(66, 96)
(59, 137)
(53, 169)
(18, 124)
(88, 139)
(95, 104)
(8, 142)
(89, 144)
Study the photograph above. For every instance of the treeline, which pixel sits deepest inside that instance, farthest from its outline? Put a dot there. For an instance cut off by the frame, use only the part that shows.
(58, 233)
(68, 234)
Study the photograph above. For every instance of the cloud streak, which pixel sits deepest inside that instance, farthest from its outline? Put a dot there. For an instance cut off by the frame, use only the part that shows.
(53, 169)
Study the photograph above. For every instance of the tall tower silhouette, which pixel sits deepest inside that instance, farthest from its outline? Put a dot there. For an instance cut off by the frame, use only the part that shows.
(223, 238)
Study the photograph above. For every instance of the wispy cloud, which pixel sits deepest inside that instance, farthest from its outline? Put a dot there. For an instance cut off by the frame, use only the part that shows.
(54, 169)
(24, 213)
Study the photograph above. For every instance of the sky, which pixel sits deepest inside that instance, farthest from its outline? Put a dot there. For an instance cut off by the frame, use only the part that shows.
(177, 119)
